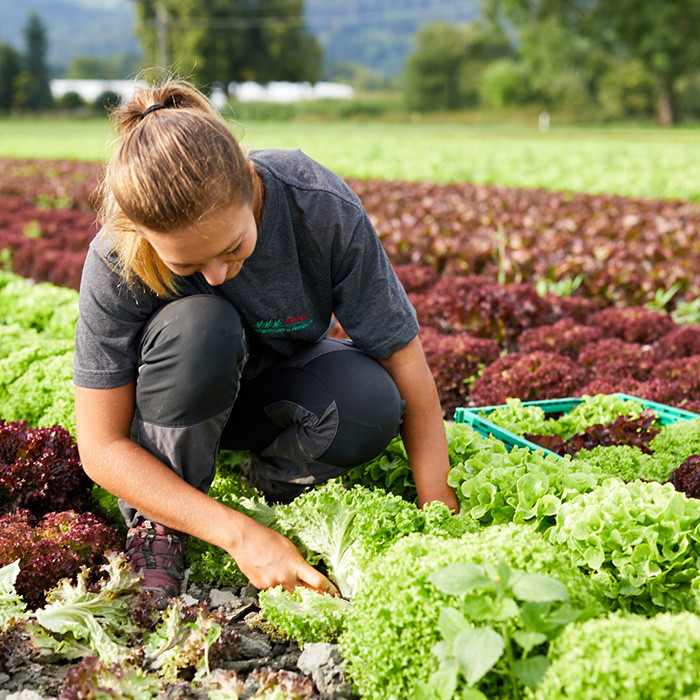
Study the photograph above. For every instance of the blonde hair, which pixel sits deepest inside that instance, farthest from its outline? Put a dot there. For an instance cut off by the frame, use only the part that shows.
(170, 168)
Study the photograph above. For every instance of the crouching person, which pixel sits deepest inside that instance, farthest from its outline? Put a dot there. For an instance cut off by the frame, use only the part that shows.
(206, 302)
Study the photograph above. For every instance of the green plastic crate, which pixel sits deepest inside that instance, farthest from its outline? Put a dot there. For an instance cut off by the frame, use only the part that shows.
(471, 416)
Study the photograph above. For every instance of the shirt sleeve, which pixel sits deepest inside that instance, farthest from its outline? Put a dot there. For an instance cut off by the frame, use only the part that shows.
(369, 301)
(110, 322)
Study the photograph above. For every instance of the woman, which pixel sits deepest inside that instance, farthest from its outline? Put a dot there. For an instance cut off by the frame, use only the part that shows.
(205, 306)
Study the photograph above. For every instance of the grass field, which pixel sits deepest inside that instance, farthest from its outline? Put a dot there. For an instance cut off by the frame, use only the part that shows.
(644, 162)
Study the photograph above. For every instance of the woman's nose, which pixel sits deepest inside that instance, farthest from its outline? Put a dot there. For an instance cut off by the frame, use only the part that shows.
(215, 272)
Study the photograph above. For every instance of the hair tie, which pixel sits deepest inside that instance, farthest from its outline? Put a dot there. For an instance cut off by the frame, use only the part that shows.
(152, 108)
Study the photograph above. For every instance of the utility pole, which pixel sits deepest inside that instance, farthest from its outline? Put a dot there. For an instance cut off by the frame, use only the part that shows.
(163, 58)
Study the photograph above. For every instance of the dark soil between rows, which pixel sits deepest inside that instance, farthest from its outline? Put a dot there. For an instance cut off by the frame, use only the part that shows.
(259, 650)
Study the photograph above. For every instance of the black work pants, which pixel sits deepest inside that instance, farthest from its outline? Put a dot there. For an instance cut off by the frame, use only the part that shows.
(305, 418)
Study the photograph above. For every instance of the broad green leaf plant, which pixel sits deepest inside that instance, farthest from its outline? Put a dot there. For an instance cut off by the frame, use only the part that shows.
(500, 624)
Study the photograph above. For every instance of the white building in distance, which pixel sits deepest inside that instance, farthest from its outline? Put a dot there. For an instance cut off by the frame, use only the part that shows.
(278, 91)
(90, 90)
(289, 92)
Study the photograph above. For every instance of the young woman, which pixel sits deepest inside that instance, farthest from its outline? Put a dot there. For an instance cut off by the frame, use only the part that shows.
(205, 306)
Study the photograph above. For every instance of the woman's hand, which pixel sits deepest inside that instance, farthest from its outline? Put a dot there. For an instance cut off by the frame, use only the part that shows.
(269, 559)
(442, 493)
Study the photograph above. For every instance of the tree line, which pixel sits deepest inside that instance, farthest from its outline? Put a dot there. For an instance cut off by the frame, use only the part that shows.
(628, 59)
(24, 77)
(596, 58)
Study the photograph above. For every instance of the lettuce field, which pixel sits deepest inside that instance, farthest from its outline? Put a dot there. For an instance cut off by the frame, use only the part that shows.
(571, 571)
(625, 160)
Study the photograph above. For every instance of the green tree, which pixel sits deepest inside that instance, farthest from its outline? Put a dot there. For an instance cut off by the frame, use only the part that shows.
(71, 101)
(217, 41)
(627, 92)
(445, 70)
(116, 67)
(506, 82)
(10, 62)
(105, 102)
(359, 76)
(35, 94)
(432, 70)
(86, 68)
(564, 67)
(663, 36)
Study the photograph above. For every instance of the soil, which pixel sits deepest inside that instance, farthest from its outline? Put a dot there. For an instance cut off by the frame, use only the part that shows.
(258, 651)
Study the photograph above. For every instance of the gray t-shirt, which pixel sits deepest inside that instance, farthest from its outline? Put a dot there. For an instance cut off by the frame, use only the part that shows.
(317, 254)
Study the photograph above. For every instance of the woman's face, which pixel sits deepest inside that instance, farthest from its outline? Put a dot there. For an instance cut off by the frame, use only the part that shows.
(217, 246)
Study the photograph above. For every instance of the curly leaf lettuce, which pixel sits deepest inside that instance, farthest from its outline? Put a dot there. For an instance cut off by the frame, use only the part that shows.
(625, 657)
(347, 528)
(11, 603)
(393, 628)
(519, 486)
(101, 618)
(304, 615)
(639, 541)
(601, 408)
(391, 470)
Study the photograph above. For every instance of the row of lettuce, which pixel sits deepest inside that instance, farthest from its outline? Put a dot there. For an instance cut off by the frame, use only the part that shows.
(511, 303)
(614, 249)
(507, 339)
(562, 576)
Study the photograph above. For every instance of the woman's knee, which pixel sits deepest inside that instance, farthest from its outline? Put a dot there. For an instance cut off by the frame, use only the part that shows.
(370, 408)
(192, 352)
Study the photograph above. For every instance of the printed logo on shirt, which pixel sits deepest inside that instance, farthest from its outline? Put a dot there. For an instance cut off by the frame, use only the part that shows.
(284, 325)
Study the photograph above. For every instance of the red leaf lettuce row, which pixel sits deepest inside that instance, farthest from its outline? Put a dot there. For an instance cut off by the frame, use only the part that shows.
(634, 324)
(528, 376)
(682, 341)
(51, 183)
(40, 470)
(618, 358)
(687, 477)
(454, 360)
(54, 547)
(566, 337)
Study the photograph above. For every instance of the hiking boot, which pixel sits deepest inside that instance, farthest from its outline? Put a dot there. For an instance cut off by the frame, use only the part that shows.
(157, 554)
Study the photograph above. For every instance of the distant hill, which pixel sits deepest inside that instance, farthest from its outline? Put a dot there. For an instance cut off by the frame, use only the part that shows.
(373, 33)
(98, 28)
(378, 33)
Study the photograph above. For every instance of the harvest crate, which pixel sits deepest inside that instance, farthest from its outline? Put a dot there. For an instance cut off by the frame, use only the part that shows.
(553, 408)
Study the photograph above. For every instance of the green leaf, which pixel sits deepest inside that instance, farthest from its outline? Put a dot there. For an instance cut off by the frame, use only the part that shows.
(477, 650)
(450, 623)
(543, 617)
(443, 683)
(395, 474)
(11, 603)
(530, 671)
(443, 651)
(424, 691)
(461, 578)
(480, 607)
(472, 694)
(505, 609)
(539, 588)
(504, 572)
(529, 640)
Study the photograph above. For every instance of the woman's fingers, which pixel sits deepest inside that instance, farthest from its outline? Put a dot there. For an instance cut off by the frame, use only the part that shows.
(314, 579)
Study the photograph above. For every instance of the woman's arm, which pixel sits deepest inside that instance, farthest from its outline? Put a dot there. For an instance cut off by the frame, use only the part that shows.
(423, 428)
(112, 460)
